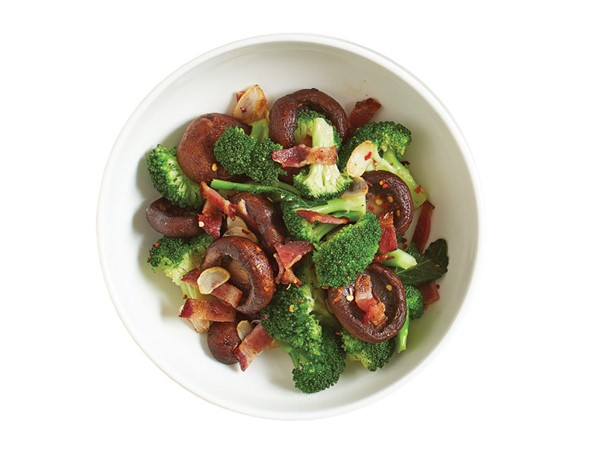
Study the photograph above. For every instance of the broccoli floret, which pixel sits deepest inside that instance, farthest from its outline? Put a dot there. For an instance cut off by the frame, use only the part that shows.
(351, 205)
(371, 355)
(390, 140)
(170, 181)
(306, 273)
(305, 128)
(348, 252)
(315, 351)
(319, 181)
(241, 154)
(176, 257)
(317, 372)
(414, 301)
(288, 319)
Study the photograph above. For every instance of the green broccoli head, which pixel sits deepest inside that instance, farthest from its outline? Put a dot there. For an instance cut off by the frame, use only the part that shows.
(170, 181)
(341, 258)
(319, 371)
(241, 154)
(319, 181)
(308, 125)
(390, 140)
(316, 352)
(177, 256)
(288, 319)
(371, 355)
(299, 228)
(414, 302)
(388, 137)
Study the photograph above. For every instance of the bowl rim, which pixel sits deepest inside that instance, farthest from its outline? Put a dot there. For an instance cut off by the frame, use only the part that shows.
(377, 58)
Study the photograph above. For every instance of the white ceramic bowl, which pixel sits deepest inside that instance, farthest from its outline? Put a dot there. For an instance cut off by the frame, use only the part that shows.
(148, 303)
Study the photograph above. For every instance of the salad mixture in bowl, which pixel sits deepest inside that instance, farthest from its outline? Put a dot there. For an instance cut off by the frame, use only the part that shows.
(295, 225)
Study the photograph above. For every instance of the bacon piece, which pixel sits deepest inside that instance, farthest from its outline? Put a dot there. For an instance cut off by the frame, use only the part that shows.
(388, 241)
(228, 293)
(313, 216)
(252, 345)
(303, 155)
(286, 256)
(423, 228)
(210, 219)
(363, 112)
(363, 296)
(217, 201)
(191, 277)
(430, 293)
(200, 311)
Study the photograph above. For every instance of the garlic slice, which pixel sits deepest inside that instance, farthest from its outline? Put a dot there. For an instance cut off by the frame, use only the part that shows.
(360, 159)
(251, 105)
(212, 278)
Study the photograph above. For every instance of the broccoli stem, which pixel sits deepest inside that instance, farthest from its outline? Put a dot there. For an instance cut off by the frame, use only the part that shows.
(402, 337)
(283, 190)
(352, 208)
(399, 258)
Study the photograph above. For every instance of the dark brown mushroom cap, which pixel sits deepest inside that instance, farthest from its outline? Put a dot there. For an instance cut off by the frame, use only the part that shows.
(388, 289)
(385, 184)
(261, 217)
(284, 114)
(222, 339)
(249, 268)
(195, 152)
(171, 220)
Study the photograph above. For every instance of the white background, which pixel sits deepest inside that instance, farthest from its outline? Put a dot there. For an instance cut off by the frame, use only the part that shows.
(519, 370)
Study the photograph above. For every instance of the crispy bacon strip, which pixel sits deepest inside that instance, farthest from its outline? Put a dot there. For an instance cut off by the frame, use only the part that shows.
(191, 277)
(252, 345)
(200, 311)
(388, 241)
(286, 256)
(313, 216)
(363, 296)
(210, 219)
(303, 155)
(423, 228)
(363, 112)
(430, 293)
(217, 201)
(228, 293)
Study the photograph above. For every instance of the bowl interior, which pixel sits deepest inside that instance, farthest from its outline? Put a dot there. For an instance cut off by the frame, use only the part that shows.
(149, 304)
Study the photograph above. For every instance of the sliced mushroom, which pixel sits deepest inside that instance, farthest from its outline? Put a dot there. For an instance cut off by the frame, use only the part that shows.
(387, 289)
(388, 192)
(284, 114)
(249, 268)
(195, 151)
(171, 220)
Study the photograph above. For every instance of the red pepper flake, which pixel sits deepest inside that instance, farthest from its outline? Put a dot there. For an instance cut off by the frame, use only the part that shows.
(418, 189)
(368, 156)
(156, 244)
(385, 186)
